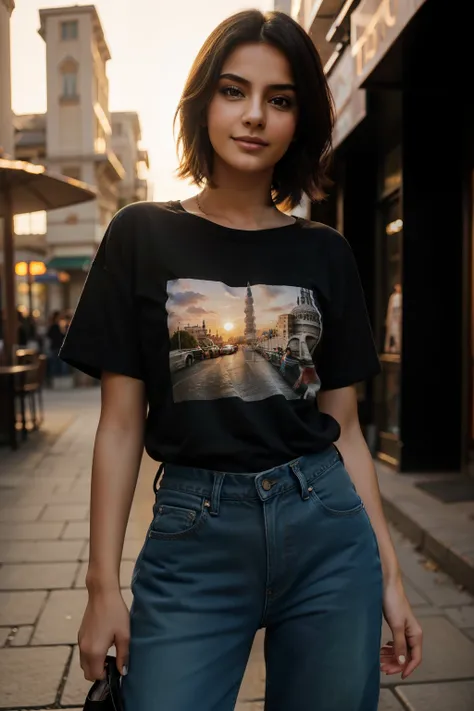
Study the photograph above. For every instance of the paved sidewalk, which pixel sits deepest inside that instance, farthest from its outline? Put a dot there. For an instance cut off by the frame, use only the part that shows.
(44, 494)
(443, 532)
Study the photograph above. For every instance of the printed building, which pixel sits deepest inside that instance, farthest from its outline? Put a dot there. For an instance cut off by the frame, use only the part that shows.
(285, 326)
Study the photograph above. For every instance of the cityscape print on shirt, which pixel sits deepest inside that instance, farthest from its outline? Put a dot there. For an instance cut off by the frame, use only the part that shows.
(250, 342)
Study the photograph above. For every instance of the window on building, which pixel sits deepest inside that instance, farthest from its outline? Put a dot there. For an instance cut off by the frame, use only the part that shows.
(31, 223)
(70, 84)
(69, 30)
(69, 73)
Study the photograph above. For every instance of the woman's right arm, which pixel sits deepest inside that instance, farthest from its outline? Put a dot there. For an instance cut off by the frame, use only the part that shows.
(117, 455)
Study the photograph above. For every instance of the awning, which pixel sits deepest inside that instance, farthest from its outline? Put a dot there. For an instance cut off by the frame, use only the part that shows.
(51, 277)
(67, 263)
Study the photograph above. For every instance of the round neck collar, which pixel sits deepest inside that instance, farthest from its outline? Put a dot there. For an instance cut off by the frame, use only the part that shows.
(178, 207)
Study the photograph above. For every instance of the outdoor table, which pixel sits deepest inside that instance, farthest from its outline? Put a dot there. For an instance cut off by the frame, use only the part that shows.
(8, 373)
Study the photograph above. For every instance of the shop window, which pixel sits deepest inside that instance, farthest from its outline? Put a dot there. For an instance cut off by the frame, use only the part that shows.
(390, 329)
(69, 30)
(393, 281)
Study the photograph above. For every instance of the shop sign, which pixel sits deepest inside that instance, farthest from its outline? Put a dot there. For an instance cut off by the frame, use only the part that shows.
(349, 100)
(375, 25)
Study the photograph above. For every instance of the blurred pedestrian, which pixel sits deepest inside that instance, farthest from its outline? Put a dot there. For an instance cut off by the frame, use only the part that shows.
(298, 543)
(55, 337)
(22, 329)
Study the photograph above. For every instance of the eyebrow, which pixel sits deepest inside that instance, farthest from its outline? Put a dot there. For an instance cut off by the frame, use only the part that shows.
(274, 87)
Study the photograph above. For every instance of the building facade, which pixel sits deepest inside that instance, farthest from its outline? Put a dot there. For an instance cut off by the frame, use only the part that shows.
(403, 197)
(78, 138)
(283, 6)
(27, 247)
(126, 139)
(285, 326)
(6, 127)
(74, 137)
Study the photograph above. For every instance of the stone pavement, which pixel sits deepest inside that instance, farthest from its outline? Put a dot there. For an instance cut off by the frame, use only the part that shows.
(443, 532)
(44, 494)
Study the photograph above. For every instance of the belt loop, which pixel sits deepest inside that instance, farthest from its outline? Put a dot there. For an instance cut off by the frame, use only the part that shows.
(295, 467)
(216, 493)
(158, 474)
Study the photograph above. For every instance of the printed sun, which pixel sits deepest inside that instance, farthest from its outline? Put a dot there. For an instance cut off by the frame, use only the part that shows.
(228, 326)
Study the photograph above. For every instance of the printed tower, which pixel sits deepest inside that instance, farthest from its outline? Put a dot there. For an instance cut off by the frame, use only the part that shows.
(250, 328)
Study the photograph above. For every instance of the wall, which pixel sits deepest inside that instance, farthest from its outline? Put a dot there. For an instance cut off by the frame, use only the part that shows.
(6, 126)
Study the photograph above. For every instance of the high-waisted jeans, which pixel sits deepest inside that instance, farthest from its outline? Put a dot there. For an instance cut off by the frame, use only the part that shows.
(291, 550)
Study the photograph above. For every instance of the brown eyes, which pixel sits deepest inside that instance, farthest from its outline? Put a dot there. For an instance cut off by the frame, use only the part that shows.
(233, 92)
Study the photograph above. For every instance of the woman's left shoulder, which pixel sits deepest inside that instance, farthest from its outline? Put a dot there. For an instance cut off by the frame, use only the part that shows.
(328, 238)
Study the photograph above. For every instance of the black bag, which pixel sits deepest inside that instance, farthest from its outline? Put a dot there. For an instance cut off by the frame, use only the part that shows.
(105, 694)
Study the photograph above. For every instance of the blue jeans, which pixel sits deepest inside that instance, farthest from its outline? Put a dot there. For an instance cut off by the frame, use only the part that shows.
(291, 550)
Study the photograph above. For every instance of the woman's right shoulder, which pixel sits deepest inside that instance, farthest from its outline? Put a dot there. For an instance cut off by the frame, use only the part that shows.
(145, 212)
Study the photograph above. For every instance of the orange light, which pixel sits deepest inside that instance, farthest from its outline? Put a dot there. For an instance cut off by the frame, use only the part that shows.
(63, 277)
(21, 268)
(37, 268)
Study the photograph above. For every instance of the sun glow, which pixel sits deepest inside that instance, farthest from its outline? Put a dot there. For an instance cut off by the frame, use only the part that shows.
(228, 326)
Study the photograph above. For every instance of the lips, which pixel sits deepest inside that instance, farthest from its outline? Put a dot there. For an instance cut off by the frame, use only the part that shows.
(251, 141)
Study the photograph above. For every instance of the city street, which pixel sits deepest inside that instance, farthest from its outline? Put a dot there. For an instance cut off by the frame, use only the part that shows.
(44, 490)
(245, 374)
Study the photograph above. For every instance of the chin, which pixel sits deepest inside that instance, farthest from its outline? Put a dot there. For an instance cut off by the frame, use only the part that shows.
(246, 164)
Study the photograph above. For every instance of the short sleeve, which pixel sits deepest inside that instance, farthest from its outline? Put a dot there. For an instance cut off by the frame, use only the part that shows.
(103, 334)
(348, 354)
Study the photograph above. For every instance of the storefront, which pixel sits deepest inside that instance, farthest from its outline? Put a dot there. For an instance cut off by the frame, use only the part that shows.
(403, 197)
(64, 295)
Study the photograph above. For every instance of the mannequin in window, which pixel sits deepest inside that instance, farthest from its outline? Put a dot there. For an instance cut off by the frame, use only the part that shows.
(393, 321)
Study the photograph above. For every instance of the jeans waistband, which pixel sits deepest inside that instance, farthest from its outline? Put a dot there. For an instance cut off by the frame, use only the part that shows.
(215, 485)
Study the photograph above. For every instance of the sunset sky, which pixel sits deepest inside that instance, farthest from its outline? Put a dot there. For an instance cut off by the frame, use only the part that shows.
(152, 43)
(192, 300)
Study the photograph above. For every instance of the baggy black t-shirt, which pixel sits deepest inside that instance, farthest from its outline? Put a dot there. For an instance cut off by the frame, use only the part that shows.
(233, 332)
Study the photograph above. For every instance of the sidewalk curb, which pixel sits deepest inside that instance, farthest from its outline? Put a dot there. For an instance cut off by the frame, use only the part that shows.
(457, 565)
(438, 530)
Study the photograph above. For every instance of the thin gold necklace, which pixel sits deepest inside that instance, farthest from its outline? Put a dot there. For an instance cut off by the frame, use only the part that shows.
(198, 202)
(199, 205)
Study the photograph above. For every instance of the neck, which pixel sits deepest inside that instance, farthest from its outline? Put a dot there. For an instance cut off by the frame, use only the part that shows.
(245, 196)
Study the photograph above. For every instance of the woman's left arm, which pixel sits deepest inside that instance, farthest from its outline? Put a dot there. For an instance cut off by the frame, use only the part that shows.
(404, 654)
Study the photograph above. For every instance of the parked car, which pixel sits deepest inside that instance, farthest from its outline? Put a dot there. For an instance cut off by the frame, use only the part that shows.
(180, 359)
(198, 353)
(228, 349)
(211, 351)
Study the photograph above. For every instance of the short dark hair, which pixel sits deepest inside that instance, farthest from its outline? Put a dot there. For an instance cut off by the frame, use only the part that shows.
(303, 169)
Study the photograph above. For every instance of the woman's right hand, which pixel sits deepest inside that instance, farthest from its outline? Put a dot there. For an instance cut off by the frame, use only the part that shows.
(106, 622)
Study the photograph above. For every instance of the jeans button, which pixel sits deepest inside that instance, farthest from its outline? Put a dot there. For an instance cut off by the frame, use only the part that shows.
(266, 484)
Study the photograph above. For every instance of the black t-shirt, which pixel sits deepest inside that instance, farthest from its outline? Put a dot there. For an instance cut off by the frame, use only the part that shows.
(205, 315)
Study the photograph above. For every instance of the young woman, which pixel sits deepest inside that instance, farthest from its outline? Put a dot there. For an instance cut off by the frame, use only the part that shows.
(259, 520)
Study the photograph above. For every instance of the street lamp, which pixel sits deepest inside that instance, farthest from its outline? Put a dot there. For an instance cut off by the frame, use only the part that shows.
(179, 335)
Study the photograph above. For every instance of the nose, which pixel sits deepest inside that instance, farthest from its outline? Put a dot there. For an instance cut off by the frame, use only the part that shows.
(254, 114)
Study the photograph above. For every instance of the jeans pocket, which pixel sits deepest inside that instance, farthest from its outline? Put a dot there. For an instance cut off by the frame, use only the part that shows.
(334, 492)
(177, 514)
